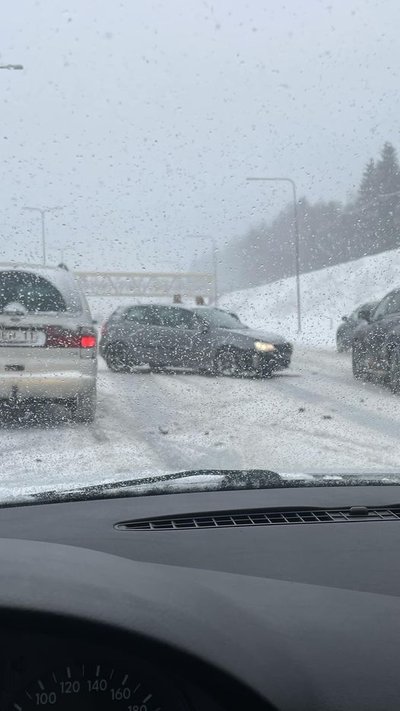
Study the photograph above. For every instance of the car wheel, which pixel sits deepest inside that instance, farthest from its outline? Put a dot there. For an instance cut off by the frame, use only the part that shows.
(117, 358)
(394, 371)
(207, 371)
(227, 363)
(84, 406)
(266, 371)
(358, 362)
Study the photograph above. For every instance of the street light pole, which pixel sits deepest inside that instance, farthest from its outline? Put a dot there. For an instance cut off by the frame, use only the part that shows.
(296, 240)
(214, 262)
(42, 214)
(215, 269)
(43, 211)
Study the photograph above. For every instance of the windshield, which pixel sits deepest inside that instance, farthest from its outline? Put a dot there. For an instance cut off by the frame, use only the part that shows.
(219, 319)
(200, 203)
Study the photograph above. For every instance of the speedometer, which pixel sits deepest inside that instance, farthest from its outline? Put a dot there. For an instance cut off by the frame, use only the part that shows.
(93, 685)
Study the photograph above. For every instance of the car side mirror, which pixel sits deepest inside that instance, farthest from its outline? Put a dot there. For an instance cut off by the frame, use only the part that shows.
(365, 315)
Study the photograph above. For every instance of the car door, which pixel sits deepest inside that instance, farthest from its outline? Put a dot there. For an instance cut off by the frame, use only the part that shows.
(185, 340)
(167, 336)
(182, 335)
(159, 335)
(384, 320)
(138, 329)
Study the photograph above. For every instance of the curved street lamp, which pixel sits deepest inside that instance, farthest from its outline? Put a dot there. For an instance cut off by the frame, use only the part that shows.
(42, 211)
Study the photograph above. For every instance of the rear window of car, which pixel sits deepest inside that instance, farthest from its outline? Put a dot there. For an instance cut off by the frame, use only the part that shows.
(30, 291)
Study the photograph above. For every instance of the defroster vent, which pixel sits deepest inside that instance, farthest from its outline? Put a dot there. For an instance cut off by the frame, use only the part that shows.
(261, 517)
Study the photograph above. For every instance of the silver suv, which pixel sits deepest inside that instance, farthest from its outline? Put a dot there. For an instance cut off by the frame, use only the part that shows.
(48, 343)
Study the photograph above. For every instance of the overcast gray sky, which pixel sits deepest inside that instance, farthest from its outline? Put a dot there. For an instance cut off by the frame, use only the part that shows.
(143, 119)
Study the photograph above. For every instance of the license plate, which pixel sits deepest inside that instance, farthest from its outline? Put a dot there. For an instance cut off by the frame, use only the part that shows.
(21, 337)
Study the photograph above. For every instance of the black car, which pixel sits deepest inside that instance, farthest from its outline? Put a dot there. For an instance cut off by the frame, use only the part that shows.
(345, 330)
(201, 338)
(376, 343)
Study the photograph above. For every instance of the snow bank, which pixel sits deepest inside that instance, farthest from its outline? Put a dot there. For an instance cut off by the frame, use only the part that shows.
(326, 295)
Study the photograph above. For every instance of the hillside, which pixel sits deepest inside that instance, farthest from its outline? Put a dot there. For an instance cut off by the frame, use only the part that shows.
(326, 295)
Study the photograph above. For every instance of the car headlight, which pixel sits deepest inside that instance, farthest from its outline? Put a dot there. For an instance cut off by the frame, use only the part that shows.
(264, 347)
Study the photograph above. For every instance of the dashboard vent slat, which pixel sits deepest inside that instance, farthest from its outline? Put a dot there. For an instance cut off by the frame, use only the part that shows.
(261, 517)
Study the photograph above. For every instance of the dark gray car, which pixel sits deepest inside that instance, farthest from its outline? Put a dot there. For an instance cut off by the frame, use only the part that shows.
(201, 338)
(345, 330)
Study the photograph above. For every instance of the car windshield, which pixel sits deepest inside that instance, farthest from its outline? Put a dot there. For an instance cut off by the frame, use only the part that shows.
(219, 319)
(200, 229)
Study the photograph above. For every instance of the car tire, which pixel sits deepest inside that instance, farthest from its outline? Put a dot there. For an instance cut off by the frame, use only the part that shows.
(207, 371)
(83, 408)
(358, 362)
(266, 372)
(117, 358)
(394, 370)
(227, 363)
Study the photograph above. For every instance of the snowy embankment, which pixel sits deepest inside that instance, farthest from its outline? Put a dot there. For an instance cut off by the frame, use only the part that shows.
(326, 295)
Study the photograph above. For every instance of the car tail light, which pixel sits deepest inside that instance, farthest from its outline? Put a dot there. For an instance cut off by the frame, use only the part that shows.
(88, 344)
(88, 341)
(57, 337)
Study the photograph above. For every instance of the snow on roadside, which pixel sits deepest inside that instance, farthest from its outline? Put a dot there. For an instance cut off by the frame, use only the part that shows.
(326, 295)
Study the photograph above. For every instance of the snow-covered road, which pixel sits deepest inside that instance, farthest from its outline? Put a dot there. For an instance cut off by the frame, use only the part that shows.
(314, 417)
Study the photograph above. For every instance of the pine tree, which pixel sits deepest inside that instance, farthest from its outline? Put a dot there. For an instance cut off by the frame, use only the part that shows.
(366, 238)
(368, 187)
(387, 174)
(378, 202)
(330, 232)
(388, 187)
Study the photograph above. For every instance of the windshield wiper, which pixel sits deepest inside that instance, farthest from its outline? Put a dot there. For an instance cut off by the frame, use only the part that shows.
(223, 479)
(218, 480)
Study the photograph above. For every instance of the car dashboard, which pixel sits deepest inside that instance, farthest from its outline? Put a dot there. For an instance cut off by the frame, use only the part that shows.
(57, 670)
(278, 599)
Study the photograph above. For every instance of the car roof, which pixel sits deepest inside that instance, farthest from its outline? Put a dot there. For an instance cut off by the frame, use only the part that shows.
(157, 305)
(53, 274)
(23, 266)
(196, 308)
(367, 303)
